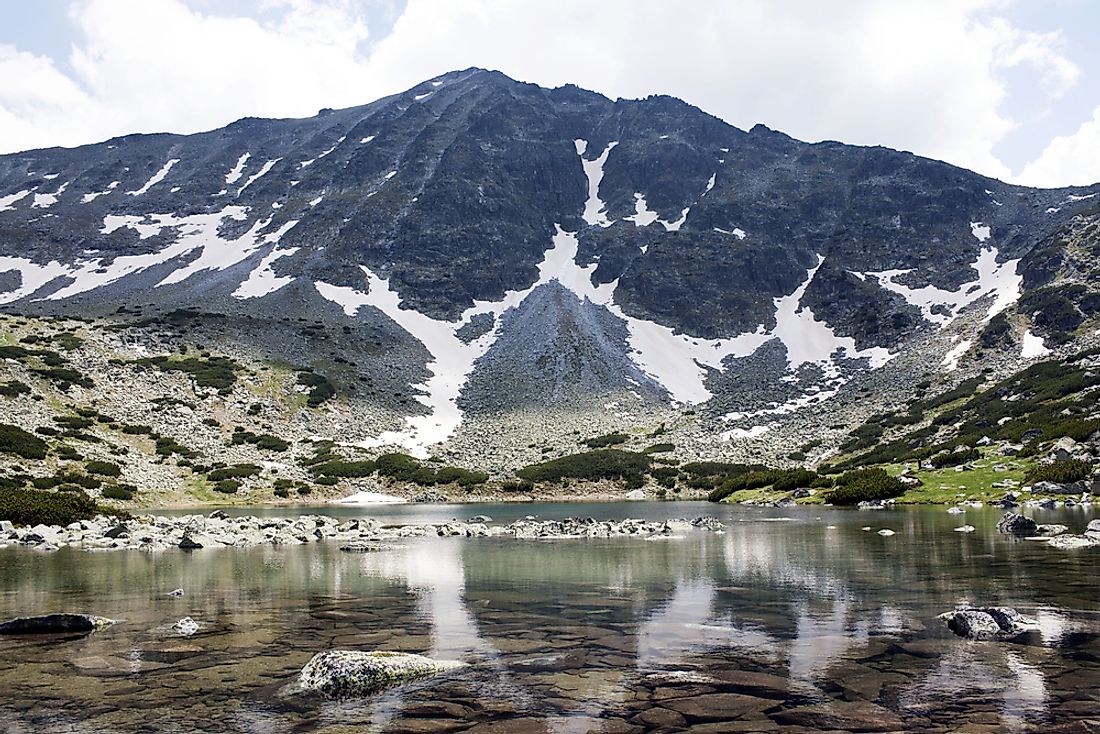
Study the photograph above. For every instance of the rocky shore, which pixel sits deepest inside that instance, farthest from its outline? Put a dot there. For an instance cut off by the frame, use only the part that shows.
(192, 532)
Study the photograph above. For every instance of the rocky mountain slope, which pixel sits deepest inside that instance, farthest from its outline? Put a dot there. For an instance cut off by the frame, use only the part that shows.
(489, 272)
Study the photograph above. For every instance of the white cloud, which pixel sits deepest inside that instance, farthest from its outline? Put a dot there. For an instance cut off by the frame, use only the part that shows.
(1068, 160)
(925, 77)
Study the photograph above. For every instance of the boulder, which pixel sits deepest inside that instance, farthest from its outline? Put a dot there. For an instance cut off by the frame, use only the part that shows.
(1093, 526)
(54, 624)
(965, 529)
(1057, 488)
(1067, 541)
(481, 519)
(175, 593)
(186, 627)
(340, 673)
(1050, 530)
(1015, 524)
(988, 623)
(118, 531)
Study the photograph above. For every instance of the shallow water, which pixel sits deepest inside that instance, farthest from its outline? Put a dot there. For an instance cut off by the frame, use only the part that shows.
(792, 620)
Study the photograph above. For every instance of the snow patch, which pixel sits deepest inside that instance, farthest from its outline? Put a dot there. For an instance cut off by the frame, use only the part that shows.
(736, 232)
(745, 433)
(1032, 346)
(45, 201)
(235, 173)
(367, 139)
(371, 498)
(256, 176)
(940, 306)
(419, 97)
(980, 231)
(155, 179)
(6, 202)
(32, 276)
(315, 202)
(642, 216)
(263, 280)
(594, 208)
(710, 183)
(950, 361)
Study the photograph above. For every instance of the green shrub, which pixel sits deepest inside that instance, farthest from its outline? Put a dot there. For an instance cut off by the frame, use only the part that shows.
(659, 448)
(598, 464)
(219, 373)
(64, 377)
(118, 492)
(14, 388)
(328, 481)
(103, 468)
(320, 389)
(459, 476)
(31, 507)
(227, 486)
(608, 439)
(134, 430)
(304, 489)
(865, 485)
(237, 471)
(282, 492)
(167, 446)
(259, 440)
(517, 486)
(343, 468)
(780, 480)
(949, 459)
(14, 440)
(1060, 472)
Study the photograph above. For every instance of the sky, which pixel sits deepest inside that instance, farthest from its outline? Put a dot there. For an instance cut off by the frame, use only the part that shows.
(1008, 88)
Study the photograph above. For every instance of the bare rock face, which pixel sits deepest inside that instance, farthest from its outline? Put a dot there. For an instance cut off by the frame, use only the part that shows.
(55, 624)
(348, 673)
(988, 623)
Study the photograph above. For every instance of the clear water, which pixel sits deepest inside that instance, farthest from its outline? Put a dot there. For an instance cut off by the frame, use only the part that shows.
(793, 620)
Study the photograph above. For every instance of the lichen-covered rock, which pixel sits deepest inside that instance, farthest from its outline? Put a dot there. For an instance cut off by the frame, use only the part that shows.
(1015, 524)
(54, 624)
(1068, 541)
(340, 673)
(988, 623)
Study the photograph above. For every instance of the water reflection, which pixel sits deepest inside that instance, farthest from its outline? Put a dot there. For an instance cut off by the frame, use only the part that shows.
(568, 633)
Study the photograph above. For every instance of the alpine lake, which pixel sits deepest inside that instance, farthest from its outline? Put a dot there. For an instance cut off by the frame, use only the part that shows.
(789, 620)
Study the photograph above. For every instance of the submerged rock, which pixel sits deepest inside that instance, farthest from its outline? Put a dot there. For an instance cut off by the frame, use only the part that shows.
(186, 627)
(1067, 541)
(988, 623)
(340, 673)
(54, 624)
(1015, 524)
(1050, 530)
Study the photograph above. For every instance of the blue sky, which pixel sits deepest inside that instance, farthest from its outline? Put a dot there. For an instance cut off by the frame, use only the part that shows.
(1010, 88)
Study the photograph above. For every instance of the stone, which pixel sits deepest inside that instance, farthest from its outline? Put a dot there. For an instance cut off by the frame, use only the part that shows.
(55, 624)
(757, 684)
(340, 673)
(860, 716)
(189, 543)
(186, 627)
(988, 623)
(658, 717)
(718, 706)
(118, 531)
(1050, 530)
(1012, 523)
(886, 532)
(175, 593)
(965, 529)
(1093, 526)
(481, 519)
(1067, 541)
(1056, 488)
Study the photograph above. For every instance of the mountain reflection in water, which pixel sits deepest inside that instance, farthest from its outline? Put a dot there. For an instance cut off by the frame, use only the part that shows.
(758, 624)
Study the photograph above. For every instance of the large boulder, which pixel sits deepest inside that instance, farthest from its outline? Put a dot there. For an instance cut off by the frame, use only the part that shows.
(988, 623)
(340, 673)
(1071, 542)
(54, 624)
(1015, 524)
(1093, 526)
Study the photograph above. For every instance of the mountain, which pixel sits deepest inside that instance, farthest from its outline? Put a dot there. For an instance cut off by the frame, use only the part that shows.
(481, 267)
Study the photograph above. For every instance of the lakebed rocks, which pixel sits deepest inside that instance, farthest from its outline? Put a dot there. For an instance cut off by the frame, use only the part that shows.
(345, 673)
(989, 623)
(55, 624)
(359, 535)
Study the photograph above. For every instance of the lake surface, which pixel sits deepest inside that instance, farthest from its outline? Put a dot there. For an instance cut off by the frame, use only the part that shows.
(792, 620)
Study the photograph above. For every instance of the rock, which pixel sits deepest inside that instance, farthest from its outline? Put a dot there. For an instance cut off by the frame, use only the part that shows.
(1093, 526)
(1056, 488)
(635, 494)
(718, 706)
(1014, 524)
(362, 547)
(988, 623)
(860, 716)
(339, 673)
(1010, 450)
(965, 529)
(1050, 530)
(707, 523)
(1067, 541)
(175, 593)
(7, 526)
(802, 493)
(985, 441)
(481, 518)
(886, 532)
(186, 627)
(192, 542)
(118, 531)
(955, 510)
(54, 624)
(218, 515)
(429, 495)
